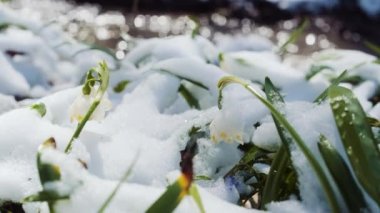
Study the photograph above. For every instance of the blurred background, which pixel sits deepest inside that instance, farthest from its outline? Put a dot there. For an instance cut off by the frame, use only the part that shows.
(350, 24)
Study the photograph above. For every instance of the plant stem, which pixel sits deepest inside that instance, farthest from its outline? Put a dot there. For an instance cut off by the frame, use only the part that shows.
(81, 124)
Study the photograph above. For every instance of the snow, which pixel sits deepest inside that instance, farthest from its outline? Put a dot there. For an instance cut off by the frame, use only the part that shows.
(150, 120)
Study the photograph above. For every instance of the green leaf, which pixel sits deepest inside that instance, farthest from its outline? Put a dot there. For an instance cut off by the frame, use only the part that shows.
(339, 170)
(47, 172)
(202, 177)
(120, 183)
(277, 177)
(221, 57)
(357, 138)
(375, 48)
(335, 82)
(121, 86)
(354, 79)
(48, 196)
(373, 122)
(253, 153)
(242, 62)
(197, 198)
(278, 186)
(5, 26)
(294, 36)
(314, 70)
(190, 99)
(187, 79)
(197, 23)
(86, 89)
(40, 108)
(326, 186)
(170, 199)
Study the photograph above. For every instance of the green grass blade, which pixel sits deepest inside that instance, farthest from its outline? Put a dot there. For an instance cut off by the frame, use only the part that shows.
(197, 198)
(327, 188)
(196, 30)
(119, 184)
(47, 172)
(40, 108)
(272, 92)
(314, 70)
(343, 178)
(373, 122)
(5, 26)
(247, 160)
(357, 138)
(190, 99)
(184, 78)
(48, 196)
(375, 48)
(294, 36)
(277, 177)
(121, 86)
(202, 177)
(170, 199)
(336, 81)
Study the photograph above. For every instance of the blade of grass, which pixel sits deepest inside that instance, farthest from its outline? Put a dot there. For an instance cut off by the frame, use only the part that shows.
(121, 86)
(294, 36)
(40, 108)
(197, 198)
(184, 78)
(375, 48)
(119, 184)
(314, 70)
(277, 177)
(247, 160)
(357, 138)
(190, 99)
(373, 122)
(323, 95)
(4, 26)
(47, 173)
(175, 192)
(171, 197)
(326, 186)
(343, 178)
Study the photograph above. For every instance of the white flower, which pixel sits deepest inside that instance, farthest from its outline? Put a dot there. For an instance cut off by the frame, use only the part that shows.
(227, 126)
(82, 104)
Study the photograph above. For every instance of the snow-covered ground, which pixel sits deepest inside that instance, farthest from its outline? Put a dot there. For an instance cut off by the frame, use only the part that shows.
(150, 119)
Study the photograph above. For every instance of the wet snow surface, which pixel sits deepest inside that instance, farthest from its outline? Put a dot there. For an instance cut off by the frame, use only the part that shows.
(150, 119)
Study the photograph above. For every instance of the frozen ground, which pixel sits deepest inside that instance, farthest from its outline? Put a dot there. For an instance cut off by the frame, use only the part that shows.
(150, 119)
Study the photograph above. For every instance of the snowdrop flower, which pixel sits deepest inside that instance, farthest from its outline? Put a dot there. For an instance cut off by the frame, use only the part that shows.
(228, 126)
(234, 122)
(82, 104)
(93, 103)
